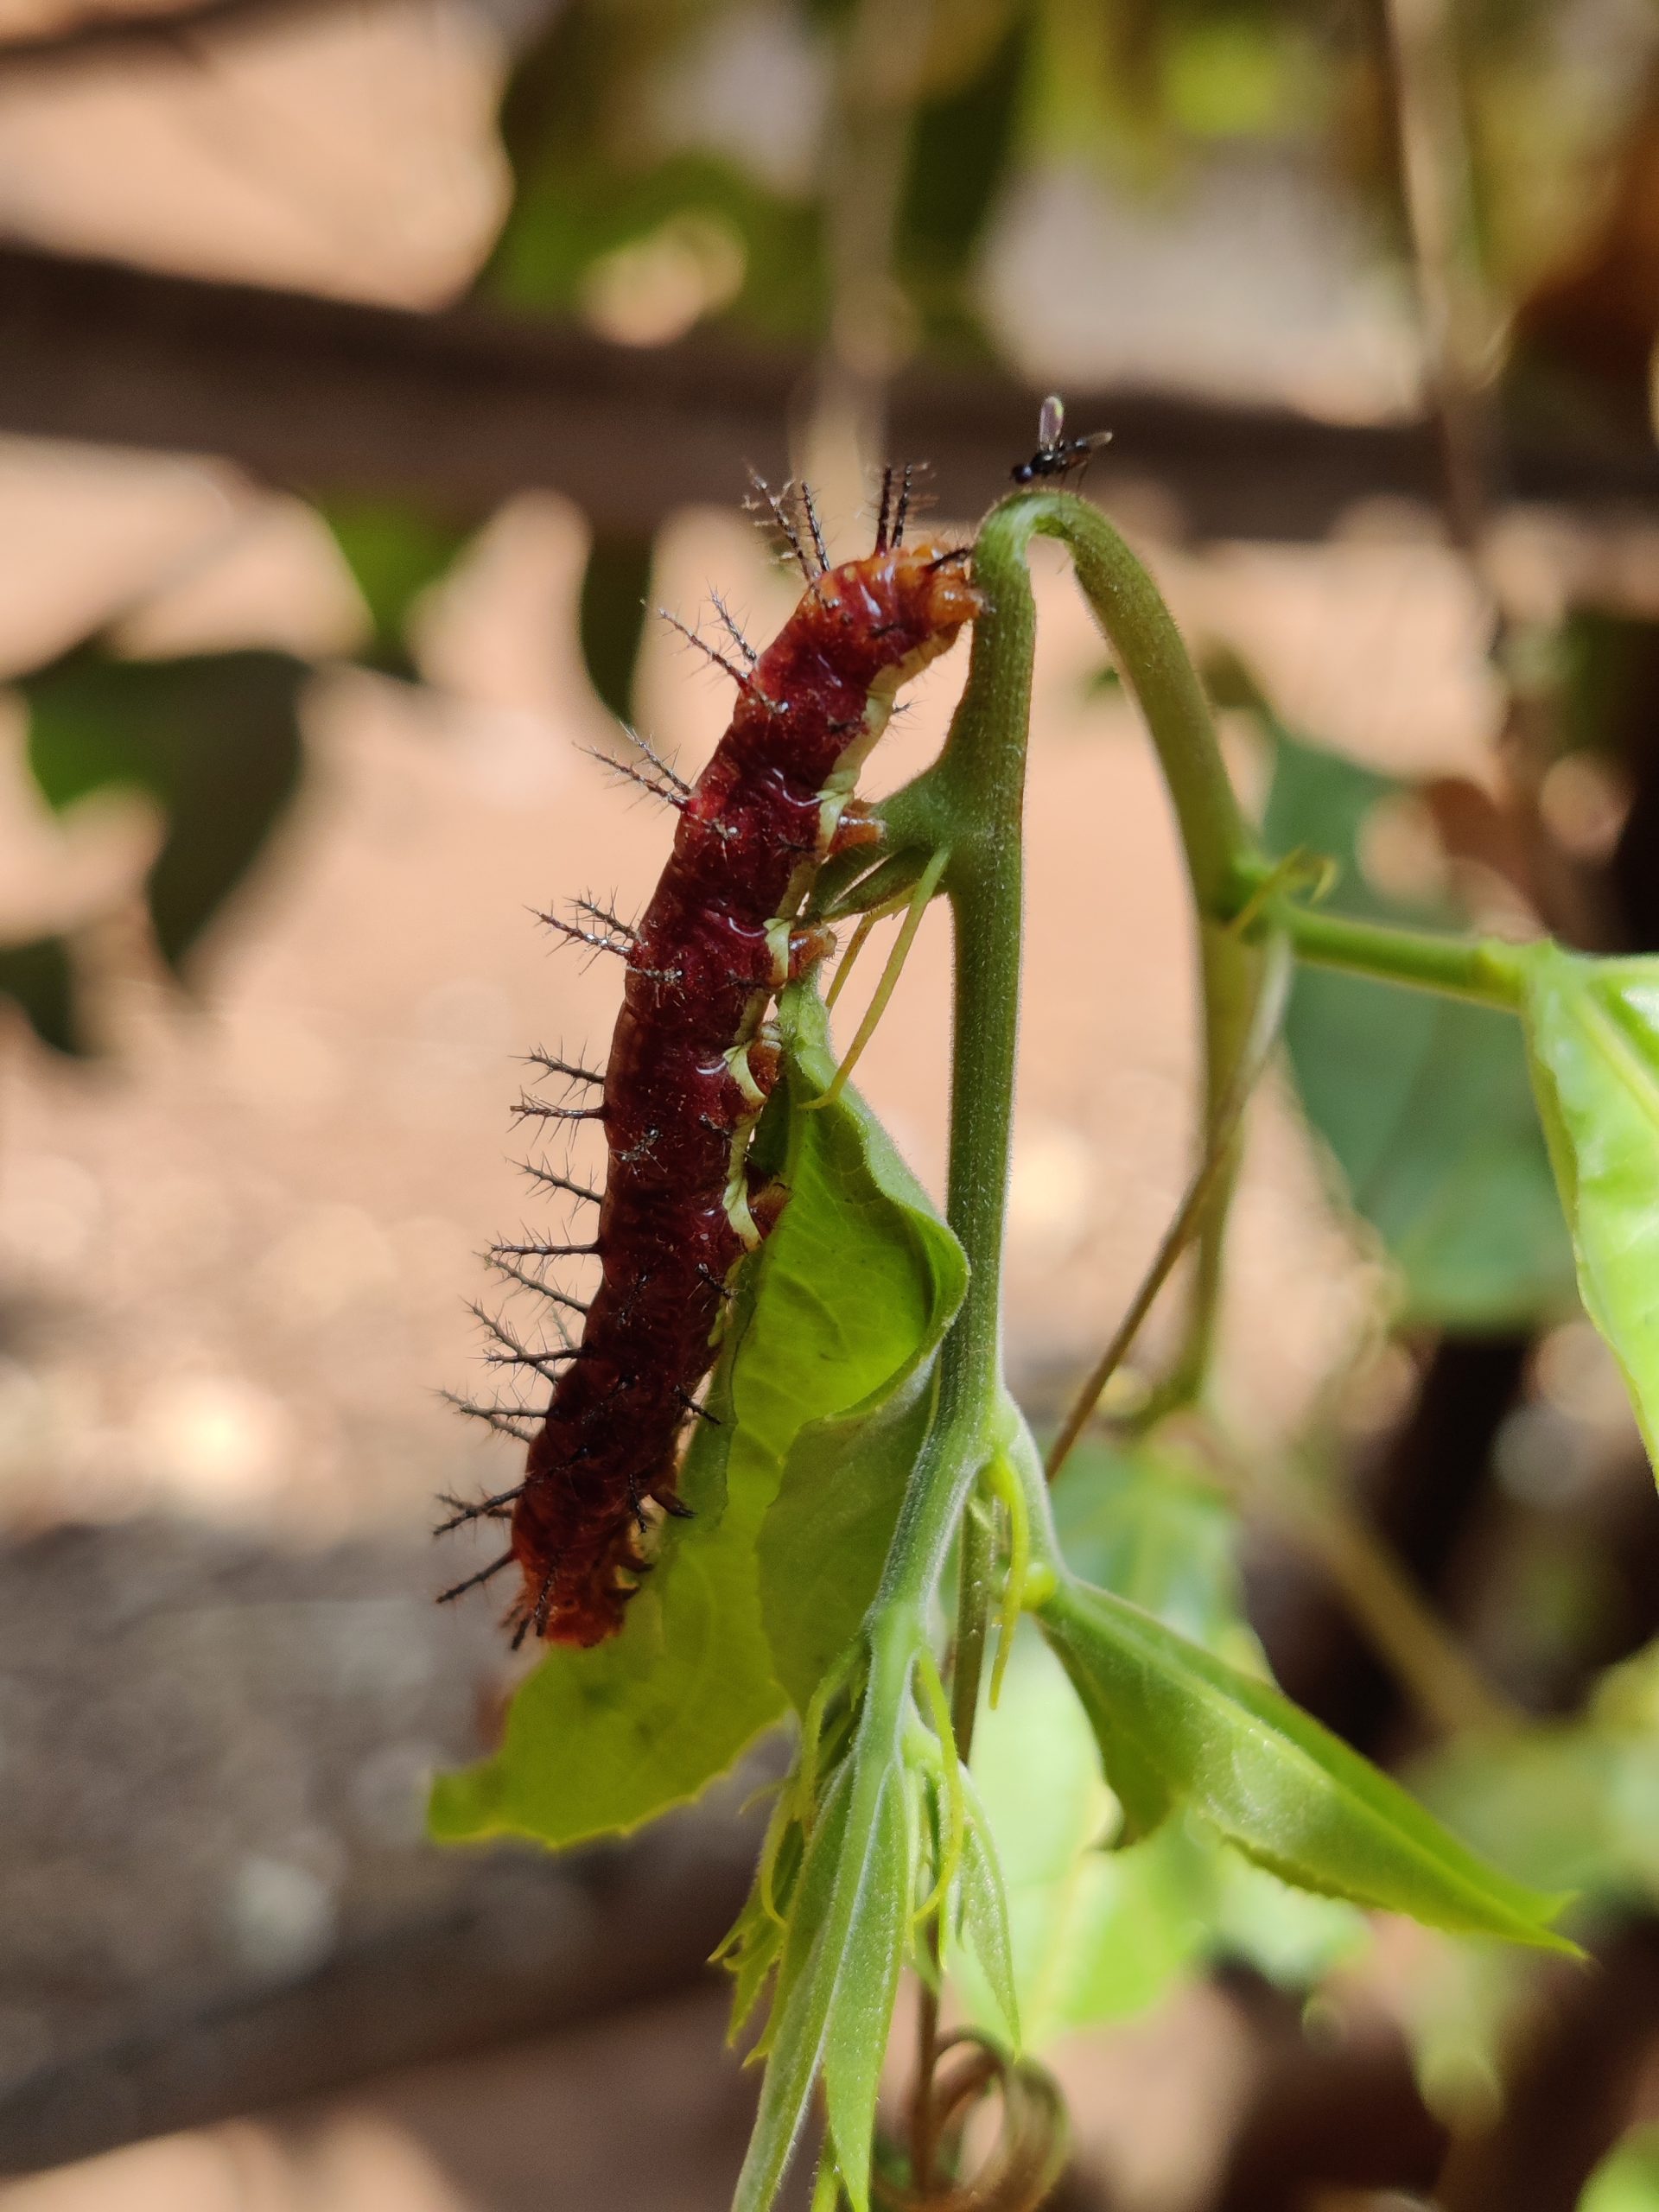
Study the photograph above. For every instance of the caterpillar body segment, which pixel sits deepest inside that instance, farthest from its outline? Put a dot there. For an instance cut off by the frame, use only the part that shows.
(693, 1060)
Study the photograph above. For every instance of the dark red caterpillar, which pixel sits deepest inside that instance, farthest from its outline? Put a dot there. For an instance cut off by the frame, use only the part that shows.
(690, 1065)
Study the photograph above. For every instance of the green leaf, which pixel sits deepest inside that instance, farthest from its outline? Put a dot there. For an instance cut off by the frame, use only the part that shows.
(825, 1539)
(866, 1985)
(1144, 1525)
(214, 739)
(610, 619)
(824, 1543)
(1627, 2180)
(984, 1904)
(834, 1967)
(752, 1948)
(1271, 1780)
(600, 1742)
(395, 551)
(1592, 1027)
(40, 979)
(1422, 1102)
(1098, 1934)
(827, 1317)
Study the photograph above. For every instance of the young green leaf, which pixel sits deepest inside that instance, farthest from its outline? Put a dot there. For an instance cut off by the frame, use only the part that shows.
(1274, 1783)
(837, 1308)
(856, 2039)
(984, 1906)
(827, 2192)
(751, 1949)
(1592, 1027)
(824, 1542)
(845, 1890)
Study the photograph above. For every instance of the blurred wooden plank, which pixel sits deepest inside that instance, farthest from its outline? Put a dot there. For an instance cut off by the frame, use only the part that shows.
(520, 1953)
(118, 34)
(463, 408)
(215, 1893)
(134, 31)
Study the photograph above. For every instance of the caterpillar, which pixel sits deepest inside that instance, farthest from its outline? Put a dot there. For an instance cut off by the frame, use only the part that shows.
(692, 1061)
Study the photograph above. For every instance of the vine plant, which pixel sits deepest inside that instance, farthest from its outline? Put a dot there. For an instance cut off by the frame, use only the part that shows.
(865, 1450)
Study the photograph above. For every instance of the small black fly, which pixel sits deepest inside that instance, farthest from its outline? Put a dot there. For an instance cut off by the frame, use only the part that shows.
(1056, 453)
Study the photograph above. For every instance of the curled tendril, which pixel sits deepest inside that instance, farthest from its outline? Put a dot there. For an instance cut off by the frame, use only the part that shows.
(1024, 2162)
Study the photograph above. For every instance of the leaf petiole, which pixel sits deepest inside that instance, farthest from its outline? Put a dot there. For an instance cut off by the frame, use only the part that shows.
(927, 885)
(1486, 969)
(956, 1806)
(1004, 1484)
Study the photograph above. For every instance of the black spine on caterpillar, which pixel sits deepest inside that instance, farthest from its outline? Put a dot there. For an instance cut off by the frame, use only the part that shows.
(689, 1070)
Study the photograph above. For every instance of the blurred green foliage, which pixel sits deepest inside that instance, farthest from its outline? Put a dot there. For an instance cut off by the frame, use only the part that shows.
(395, 551)
(39, 978)
(1423, 1103)
(213, 740)
(611, 618)
(1628, 2179)
(1571, 1804)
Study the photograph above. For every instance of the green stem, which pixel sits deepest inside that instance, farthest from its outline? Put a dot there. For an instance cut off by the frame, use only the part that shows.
(1216, 841)
(1215, 838)
(972, 825)
(970, 805)
(1484, 969)
(977, 1556)
(976, 1593)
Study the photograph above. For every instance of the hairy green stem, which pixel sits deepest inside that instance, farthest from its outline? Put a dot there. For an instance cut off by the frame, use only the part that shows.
(972, 826)
(975, 1596)
(971, 804)
(1216, 843)
(1219, 848)
(964, 817)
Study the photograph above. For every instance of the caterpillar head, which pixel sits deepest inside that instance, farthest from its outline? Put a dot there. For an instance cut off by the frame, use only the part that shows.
(924, 595)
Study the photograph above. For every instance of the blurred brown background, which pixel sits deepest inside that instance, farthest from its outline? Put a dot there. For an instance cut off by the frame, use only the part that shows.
(409, 346)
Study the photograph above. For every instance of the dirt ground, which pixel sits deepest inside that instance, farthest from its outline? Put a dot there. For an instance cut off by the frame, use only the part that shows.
(234, 1253)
